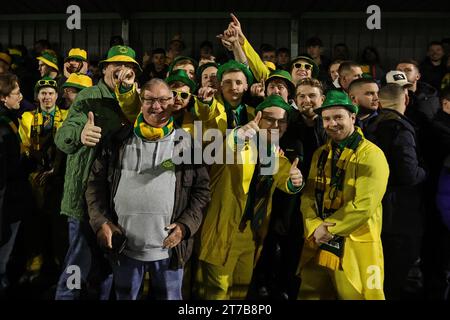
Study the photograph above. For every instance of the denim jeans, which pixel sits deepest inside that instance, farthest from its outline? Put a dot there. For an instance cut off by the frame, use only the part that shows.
(81, 254)
(5, 254)
(165, 283)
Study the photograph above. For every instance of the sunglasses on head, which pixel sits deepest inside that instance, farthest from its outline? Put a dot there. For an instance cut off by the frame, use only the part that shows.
(47, 83)
(182, 95)
(306, 66)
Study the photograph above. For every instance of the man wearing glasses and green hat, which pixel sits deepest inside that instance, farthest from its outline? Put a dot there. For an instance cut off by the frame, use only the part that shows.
(232, 235)
(342, 256)
(94, 114)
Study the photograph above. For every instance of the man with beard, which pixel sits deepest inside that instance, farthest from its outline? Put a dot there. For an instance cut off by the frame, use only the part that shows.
(96, 113)
(232, 236)
(341, 206)
(364, 94)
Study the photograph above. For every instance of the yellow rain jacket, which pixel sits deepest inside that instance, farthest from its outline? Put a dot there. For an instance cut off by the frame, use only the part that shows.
(359, 220)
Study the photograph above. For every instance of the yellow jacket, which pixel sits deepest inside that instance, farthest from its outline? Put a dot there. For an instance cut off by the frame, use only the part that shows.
(29, 120)
(359, 220)
(230, 185)
(214, 116)
(257, 66)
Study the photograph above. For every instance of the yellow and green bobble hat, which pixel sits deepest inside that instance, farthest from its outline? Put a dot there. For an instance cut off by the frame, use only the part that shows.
(78, 81)
(181, 75)
(274, 101)
(337, 98)
(49, 58)
(283, 75)
(76, 53)
(121, 54)
(234, 65)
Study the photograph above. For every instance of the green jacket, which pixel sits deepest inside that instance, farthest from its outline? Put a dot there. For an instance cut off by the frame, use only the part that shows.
(109, 115)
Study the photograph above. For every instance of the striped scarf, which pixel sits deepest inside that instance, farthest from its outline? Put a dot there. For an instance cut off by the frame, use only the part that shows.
(329, 202)
(147, 132)
(39, 128)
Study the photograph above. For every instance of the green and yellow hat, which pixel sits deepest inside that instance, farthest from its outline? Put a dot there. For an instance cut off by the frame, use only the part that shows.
(274, 101)
(45, 82)
(78, 81)
(315, 70)
(337, 98)
(49, 58)
(283, 75)
(234, 65)
(76, 53)
(181, 75)
(121, 54)
(5, 57)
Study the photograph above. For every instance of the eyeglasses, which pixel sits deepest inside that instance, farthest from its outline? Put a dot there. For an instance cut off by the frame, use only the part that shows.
(47, 83)
(306, 66)
(180, 94)
(160, 100)
(272, 121)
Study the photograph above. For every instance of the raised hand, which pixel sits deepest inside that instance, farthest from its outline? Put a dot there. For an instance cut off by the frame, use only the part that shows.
(91, 134)
(257, 90)
(126, 77)
(206, 94)
(251, 128)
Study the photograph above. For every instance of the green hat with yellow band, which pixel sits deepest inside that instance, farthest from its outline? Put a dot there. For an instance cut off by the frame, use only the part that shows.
(49, 58)
(121, 54)
(78, 81)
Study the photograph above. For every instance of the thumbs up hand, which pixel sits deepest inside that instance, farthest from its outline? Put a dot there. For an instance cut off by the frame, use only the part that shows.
(250, 129)
(91, 134)
(295, 175)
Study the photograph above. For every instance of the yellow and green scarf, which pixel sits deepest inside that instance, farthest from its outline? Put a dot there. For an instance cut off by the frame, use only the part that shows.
(145, 131)
(329, 202)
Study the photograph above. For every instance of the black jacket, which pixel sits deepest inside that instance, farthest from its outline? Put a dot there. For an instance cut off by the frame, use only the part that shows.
(192, 193)
(423, 105)
(402, 202)
(15, 191)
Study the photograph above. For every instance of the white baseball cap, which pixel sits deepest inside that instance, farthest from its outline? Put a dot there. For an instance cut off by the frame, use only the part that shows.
(398, 77)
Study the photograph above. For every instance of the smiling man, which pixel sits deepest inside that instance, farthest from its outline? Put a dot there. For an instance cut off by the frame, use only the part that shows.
(162, 213)
(341, 206)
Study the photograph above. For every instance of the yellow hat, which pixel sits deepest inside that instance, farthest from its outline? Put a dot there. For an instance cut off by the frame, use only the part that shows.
(78, 80)
(270, 65)
(77, 53)
(5, 57)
